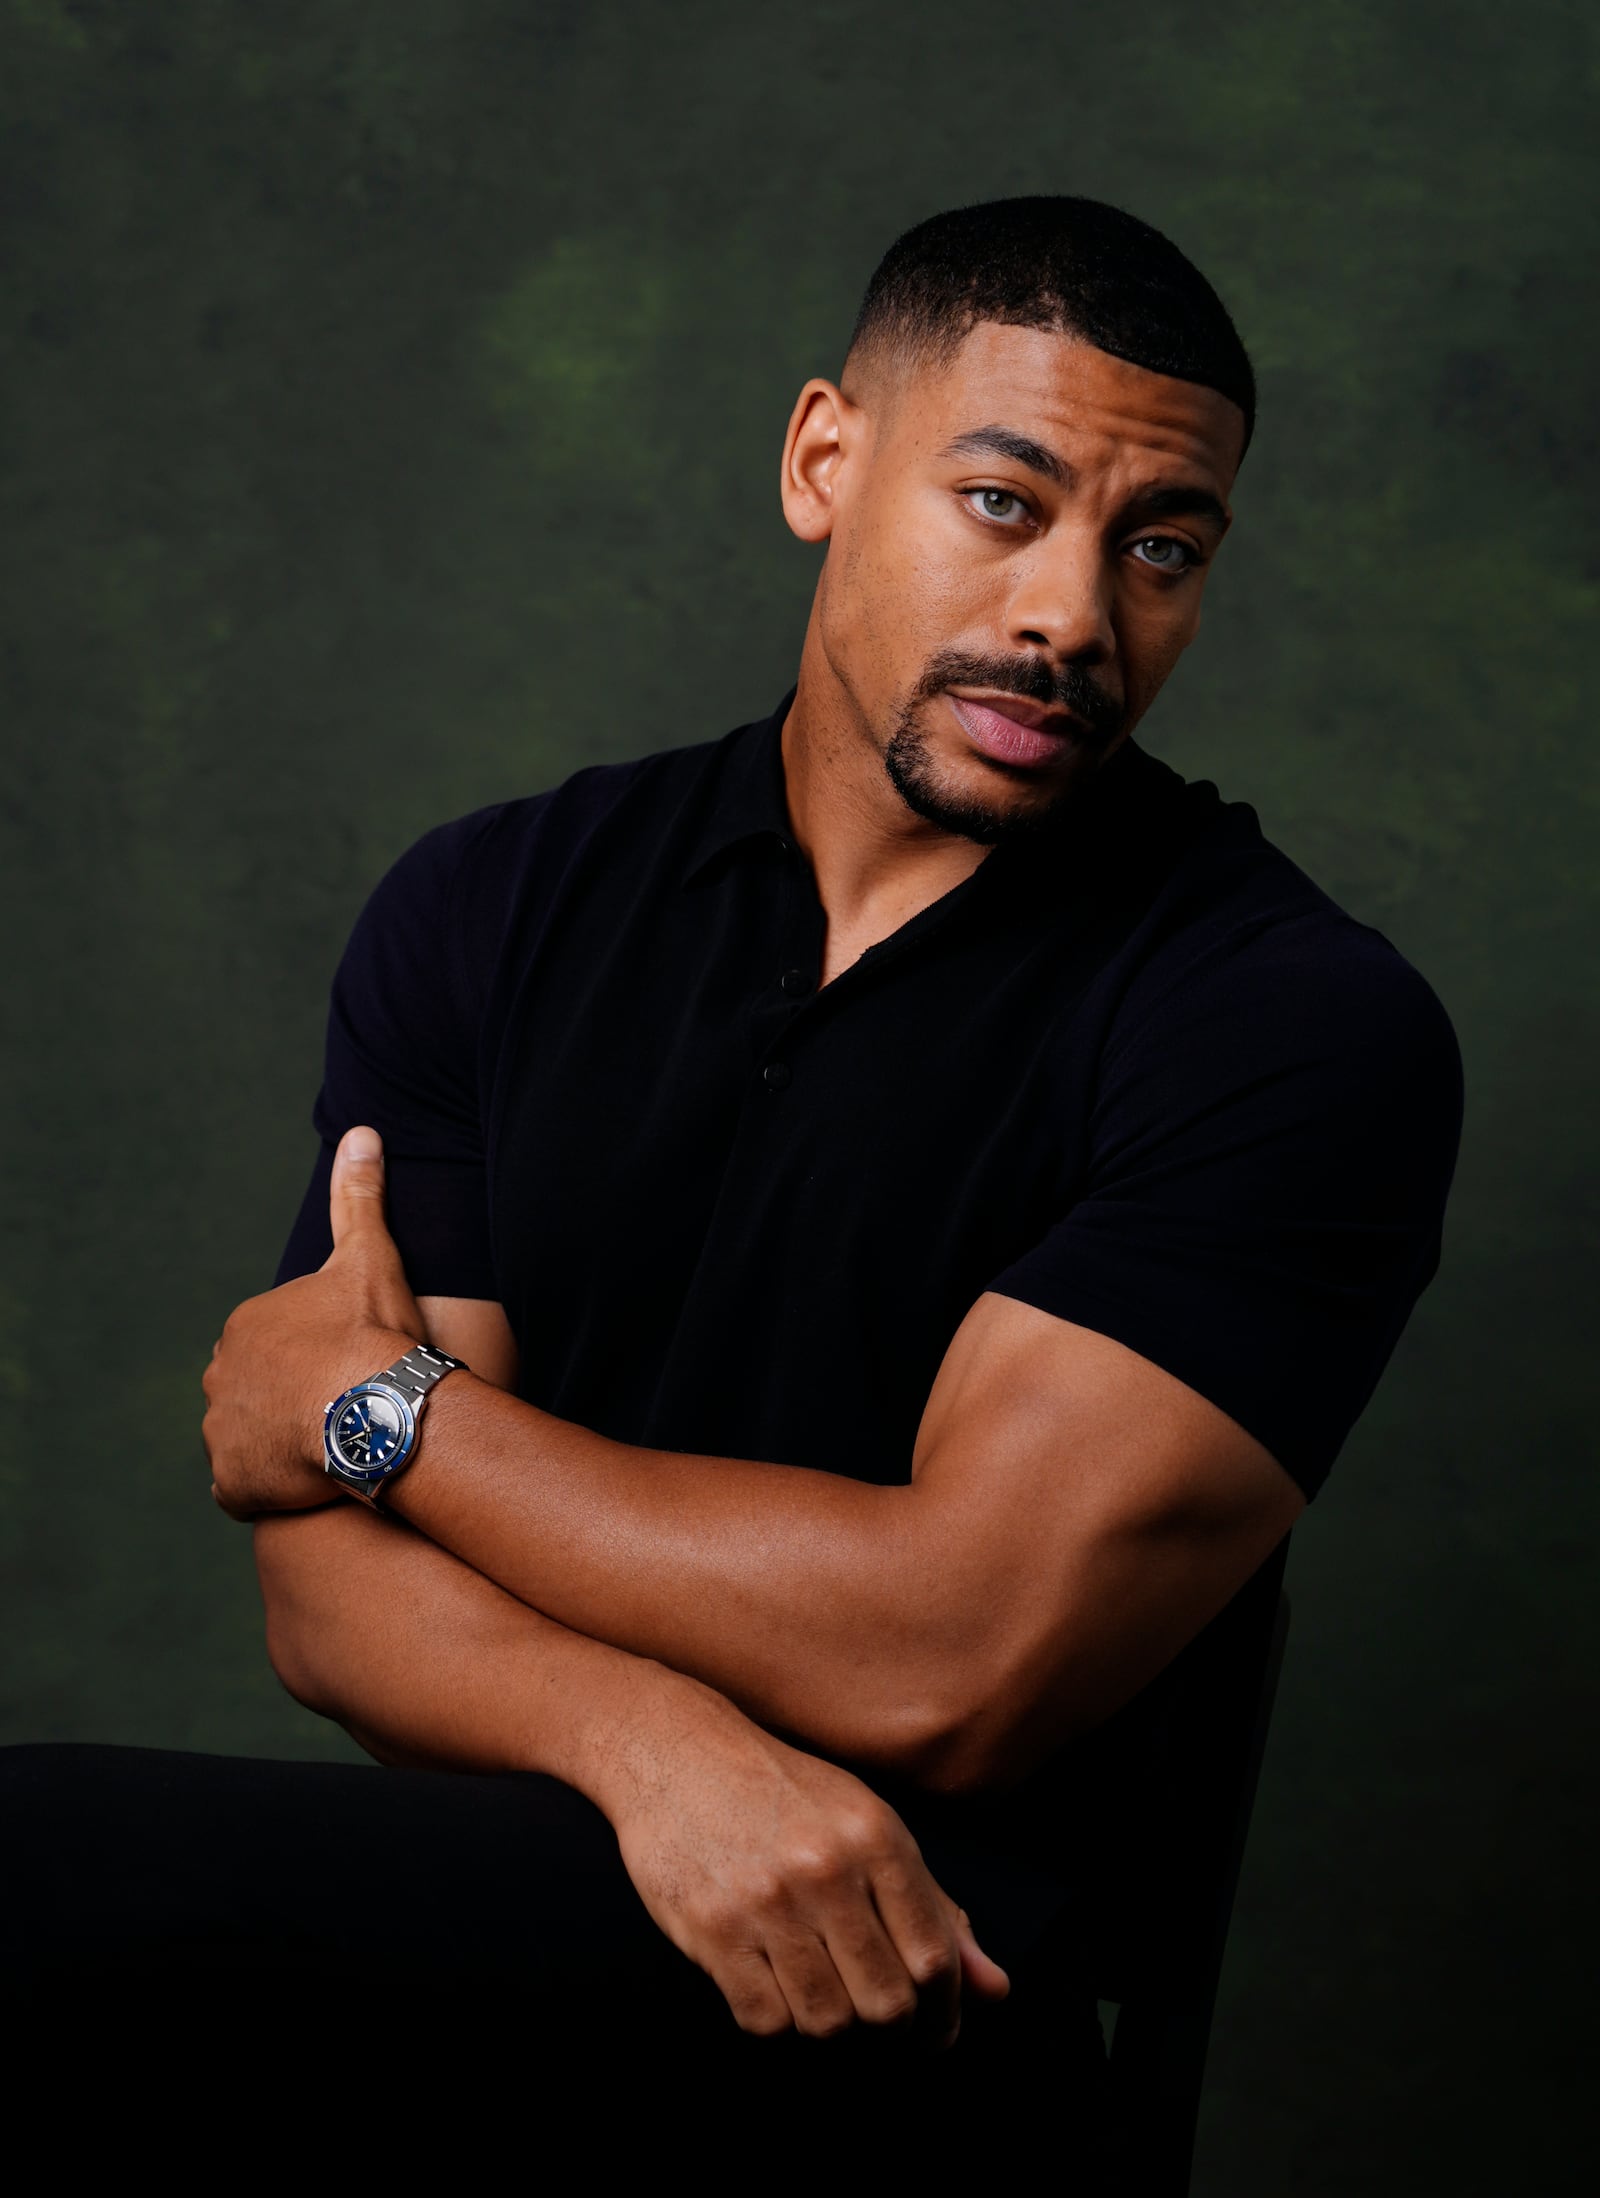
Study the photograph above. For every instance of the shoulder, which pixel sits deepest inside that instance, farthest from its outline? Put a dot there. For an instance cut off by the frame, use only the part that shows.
(1247, 991)
(1345, 1023)
(472, 869)
(1236, 928)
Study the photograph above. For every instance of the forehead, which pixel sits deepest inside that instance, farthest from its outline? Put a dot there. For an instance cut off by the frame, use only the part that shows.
(1067, 394)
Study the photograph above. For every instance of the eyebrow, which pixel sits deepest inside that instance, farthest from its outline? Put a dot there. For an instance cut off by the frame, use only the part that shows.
(1172, 500)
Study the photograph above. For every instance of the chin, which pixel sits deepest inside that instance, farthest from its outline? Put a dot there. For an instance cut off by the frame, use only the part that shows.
(954, 799)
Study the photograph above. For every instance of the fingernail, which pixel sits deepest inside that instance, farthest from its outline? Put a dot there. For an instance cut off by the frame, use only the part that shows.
(363, 1144)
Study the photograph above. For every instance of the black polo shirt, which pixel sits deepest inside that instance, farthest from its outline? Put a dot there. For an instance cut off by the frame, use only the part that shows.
(1141, 1072)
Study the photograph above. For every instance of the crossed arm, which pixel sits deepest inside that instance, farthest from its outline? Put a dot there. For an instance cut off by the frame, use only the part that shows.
(1072, 1518)
(579, 1605)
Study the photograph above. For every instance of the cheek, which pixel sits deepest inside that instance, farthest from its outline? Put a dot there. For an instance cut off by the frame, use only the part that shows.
(861, 602)
(904, 581)
(1151, 638)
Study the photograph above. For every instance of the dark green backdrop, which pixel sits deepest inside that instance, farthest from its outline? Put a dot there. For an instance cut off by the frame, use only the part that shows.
(392, 403)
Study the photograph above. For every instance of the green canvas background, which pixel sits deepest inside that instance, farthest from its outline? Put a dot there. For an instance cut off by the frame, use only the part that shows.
(391, 405)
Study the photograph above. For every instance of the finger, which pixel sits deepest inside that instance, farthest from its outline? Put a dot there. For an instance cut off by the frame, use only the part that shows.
(355, 1192)
(881, 1988)
(745, 1980)
(810, 1983)
(920, 1922)
(979, 1972)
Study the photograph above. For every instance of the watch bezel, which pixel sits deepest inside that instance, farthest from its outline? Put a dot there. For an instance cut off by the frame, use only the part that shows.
(374, 1477)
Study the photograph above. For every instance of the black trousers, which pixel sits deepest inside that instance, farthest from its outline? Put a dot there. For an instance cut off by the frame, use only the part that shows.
(474, 1946)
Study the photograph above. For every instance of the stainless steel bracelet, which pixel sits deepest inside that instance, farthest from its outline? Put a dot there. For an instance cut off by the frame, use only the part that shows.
(416, 1372)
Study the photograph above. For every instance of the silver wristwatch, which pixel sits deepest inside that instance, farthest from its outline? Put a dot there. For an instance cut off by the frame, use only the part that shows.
(370, 1433)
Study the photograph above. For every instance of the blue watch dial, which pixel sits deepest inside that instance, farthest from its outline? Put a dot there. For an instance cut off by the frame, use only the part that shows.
(369, 1432)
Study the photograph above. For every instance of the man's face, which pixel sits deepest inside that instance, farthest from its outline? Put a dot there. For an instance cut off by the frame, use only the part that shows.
(1020, 535)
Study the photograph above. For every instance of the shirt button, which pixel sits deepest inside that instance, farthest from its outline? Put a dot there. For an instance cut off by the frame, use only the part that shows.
(795, 980)
(776, 1075)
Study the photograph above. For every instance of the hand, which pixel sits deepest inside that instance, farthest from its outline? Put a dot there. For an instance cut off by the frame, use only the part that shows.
(283, 1355)
(800, 1893)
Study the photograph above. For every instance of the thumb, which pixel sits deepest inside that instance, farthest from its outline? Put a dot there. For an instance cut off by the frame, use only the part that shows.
(355, 1194)
(978, 1972)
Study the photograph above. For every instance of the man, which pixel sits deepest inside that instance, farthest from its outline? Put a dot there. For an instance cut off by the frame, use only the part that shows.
(921, 1192)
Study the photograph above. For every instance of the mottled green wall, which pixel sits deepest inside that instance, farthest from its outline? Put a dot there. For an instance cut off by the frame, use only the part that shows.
(391, 404)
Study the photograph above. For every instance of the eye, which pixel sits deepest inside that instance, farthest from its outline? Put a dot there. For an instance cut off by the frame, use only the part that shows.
(1184, 561)
(1001, 504)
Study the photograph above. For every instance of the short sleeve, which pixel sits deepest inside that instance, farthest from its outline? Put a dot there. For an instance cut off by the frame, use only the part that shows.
(1272, 1149)
(403, 1054)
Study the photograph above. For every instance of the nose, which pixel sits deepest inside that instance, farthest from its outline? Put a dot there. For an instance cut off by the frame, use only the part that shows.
(1063, 600)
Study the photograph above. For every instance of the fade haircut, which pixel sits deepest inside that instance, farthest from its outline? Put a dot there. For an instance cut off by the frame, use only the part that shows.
(1074, 265)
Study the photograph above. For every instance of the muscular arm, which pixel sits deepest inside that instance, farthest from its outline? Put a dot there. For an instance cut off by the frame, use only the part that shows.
(430, 1666)
(799, 1892)
(1074, 1515)
(421, 1659)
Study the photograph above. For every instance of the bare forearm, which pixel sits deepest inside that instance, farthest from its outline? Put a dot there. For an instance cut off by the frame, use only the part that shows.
(806, 1597)
(796, 1889)
(427, 1664)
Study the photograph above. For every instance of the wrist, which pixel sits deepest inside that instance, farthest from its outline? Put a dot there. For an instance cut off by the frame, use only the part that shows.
(622, 1747)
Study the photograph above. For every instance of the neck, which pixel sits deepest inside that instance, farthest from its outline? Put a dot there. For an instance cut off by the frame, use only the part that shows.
(876, 862)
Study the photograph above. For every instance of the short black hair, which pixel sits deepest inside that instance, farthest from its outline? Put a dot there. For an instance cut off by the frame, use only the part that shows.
(1072, 264)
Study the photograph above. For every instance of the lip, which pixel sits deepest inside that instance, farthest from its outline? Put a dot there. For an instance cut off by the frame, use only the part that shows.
(1020, 733)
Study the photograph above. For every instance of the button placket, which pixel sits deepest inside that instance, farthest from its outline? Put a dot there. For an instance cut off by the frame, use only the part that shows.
(791, 979)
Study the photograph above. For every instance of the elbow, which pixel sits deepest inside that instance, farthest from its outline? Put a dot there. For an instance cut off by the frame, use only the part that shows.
(963, 1758)
(982, 1731)
(294, 1670)
(947, 1741)
(287, 1645)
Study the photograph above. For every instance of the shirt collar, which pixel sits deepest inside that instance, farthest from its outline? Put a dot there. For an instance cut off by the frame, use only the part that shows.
(751, 796)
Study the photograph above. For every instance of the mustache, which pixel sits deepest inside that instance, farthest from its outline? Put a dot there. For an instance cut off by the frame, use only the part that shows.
(1066, 688)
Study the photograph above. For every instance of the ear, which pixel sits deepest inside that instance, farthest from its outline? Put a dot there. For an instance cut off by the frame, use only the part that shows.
(825, 429)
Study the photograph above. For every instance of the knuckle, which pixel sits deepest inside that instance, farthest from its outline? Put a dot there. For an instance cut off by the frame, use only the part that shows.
(755, 2002)
(895, 2006)
(763, 1890)
(902, 1875)
(863, 1828)
(713, 1921)
(759, 2017)
(818, 1863)
(732, 1916)
(824, 2005)
(930, 1960)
